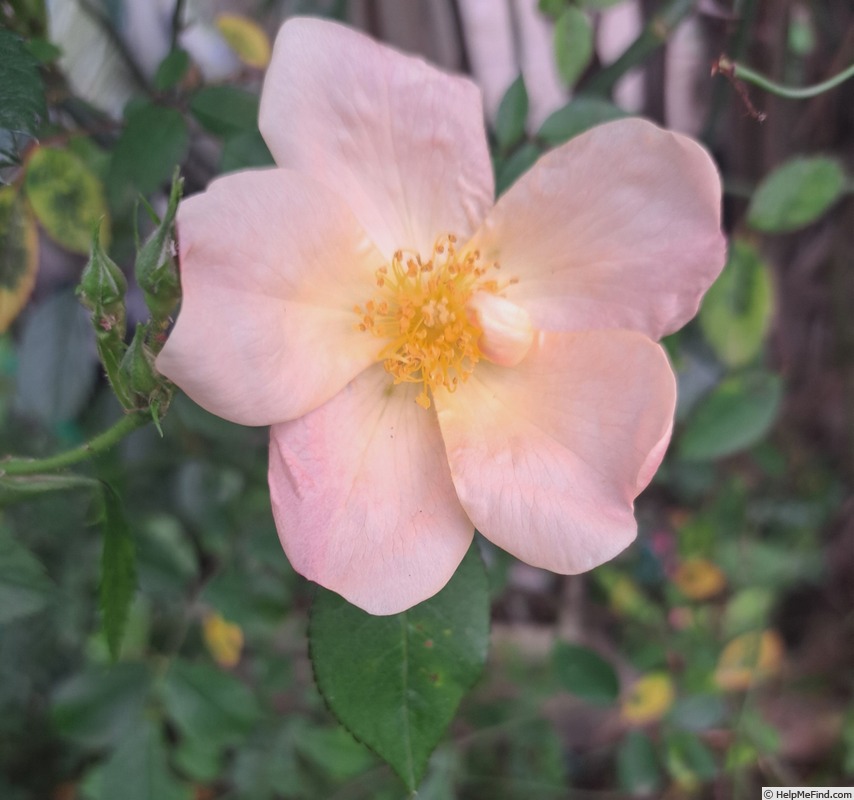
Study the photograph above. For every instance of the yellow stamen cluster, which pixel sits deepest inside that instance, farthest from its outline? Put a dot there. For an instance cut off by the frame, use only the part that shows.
(421, 311)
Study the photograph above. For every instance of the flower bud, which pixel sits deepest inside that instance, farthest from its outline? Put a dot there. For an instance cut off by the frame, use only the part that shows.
(156, 269)
(137, 367)
(102, 289)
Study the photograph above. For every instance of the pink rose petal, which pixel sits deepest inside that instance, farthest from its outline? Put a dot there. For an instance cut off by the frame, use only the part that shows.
(402, 142)
(272, 263)
(363, 499)
(548, 457)
(618, 228)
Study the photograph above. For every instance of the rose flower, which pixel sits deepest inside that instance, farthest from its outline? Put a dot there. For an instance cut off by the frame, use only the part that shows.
(433, 362)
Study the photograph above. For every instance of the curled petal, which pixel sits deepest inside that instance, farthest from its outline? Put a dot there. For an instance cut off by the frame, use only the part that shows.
(363, 498)
(272, 263)
(618, 228)
(547, 457)
(403, 142)
(506, 331)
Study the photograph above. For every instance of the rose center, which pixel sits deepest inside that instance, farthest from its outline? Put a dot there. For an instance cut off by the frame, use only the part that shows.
(420, 310)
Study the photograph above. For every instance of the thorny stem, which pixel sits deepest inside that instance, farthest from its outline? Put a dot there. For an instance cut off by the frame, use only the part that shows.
(654, 35)
(735, 71)
(98, 444)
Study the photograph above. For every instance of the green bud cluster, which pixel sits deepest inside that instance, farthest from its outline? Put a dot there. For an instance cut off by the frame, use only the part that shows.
(130, 368)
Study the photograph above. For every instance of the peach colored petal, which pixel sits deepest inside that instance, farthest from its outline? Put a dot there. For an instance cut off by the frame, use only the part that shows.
(547, 457)
(401, 141)
(272, 263)
(363, 499)
(618, 228)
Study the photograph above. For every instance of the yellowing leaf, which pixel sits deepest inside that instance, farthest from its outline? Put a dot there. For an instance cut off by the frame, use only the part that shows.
(649, 699)
(699, 579)
(224, 639)
(748, 659)
(67, 198)
(627, 600)
(246, 38)
(625, 597)
(19, 255)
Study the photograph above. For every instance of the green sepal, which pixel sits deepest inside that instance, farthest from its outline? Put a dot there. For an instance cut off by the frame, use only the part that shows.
(148, 387)
(137, 365)
(156, 268)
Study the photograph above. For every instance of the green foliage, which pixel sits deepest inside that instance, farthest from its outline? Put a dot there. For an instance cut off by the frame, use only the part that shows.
(575, 117)
(551, 8)
(22, 103)
(118, 570)
(171, 70)
(801, 34)
(749, 609)
(244, 150)
(24, 586)
(796, 194)
(765, 564)
(66, 196)
(407, 672)
(207, 704)
(57, 370)
(101, 705)
(512, 115)
(700, 712)
(509, 171)
(43, 51)
(848, 743)
(736, 415)
(688, 760)
(225, 110)
(573, 37)
(334, 751)
(638, 770)
(509, 758)
(138, 768)
(155, 139)
(585, 673)
(737, 310)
